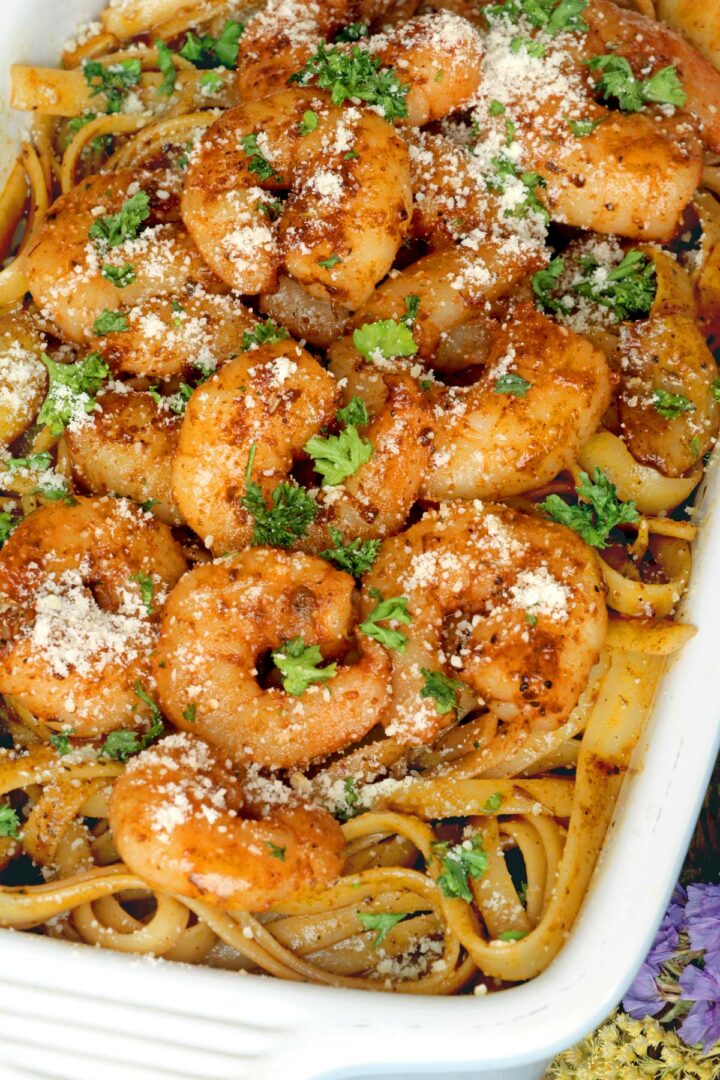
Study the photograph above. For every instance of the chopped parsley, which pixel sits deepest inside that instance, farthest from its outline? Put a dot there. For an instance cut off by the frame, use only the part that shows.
(110, 322)
(716, 389)
(496, 108)
(122, 744)
(352, 801)
(189, 713)
(332, 260)
(599, 513)
(9, 822)
(71, 390)
(669, 405)
(355, 74)
(387, 337)
(412, 307)
(617, 83)
(545, 281)
(531, 47)
(205, 51)
(628, 290)
(121, 276)
(7, 524)
(287, 520)
(257, 163)
(276, 851)
(211, 82)
(271, 208)
(583, 128)
(55, 492)
(147, 590)
(167, 69)
(383, 923)
(355, 557)
(394, 609)
(35, 462)
(355, 413)
(512, 935)
(493, 804)
(338, 456)
(442, 689)
(61, 741)
(298, 664)
(512, 384)
(551, 16)
(309, 122)
(114, 81)
(115, 229)
(266, 333)
(459, 863)
(354, 32)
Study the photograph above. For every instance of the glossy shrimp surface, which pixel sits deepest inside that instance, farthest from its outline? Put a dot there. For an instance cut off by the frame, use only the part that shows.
(182, 821)
(80, 633)
(222, 619)
(512, 606)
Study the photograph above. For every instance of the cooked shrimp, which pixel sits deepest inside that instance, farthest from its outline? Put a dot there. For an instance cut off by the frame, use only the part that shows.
(67, 269)
(181, 820)
(539, 399)
(511, 605)
(631, 174)
(439, 56)
(273, 399)
(668, 412)
(80, 627)
(172, 335)
(449, 199)
(348, 210)
(308, 318)
(23, 376)
(126, 448)
(649, 46)
(222, 619)
(377, 499)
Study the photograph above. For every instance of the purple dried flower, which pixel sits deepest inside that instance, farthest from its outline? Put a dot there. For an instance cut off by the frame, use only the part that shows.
(703, 917)
(644, 998)
(702, 1024)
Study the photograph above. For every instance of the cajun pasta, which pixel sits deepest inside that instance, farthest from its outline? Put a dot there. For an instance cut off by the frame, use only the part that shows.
(355, 378)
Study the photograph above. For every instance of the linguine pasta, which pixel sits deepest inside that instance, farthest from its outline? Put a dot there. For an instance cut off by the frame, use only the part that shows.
(399, 269)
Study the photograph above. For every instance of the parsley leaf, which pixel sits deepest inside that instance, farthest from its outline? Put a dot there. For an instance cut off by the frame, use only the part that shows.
(388, 337)
(545, 281)
(61, 741)
(7, 524)
(121, 276)
(206, 51)
(71, 390)
(493, 804)
(211, 82)
(115, 229)
(309, 122)
(298, 663)
(355, 413)
(55, 492)
(338, 456)
(628, 290)
(257, 163)
(226, 46)
(618, 83)
(512, 384)
(9, 822)
(110, 322)
(354, 32)
(442, 689)
(355, 74)
(122, 744)
(460, 862)
(35, 462)
(412, 307)
(190, 713)
(595, 518)
(583, 128)
(147, 590)
(512, 935)
(289, 517)
(266, 333)
(355, 557)
(393, 609)
(167, 69)
(383, 922)
(551, 16)
(352, 801)
(276, 851)
(716, 389)
(332, 260)
(669, 405)
(114, 81)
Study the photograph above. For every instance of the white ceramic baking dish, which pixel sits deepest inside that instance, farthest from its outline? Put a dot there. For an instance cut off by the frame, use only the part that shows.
(84, 1014)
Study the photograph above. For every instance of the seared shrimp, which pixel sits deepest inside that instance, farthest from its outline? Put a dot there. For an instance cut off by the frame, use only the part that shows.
(221, 621)
(506, 603)
(439, 57)
(349, 206)
(23, 376)
(539, 399)
(668, 412)
(86, 584)
(308, 318)
(67, 268)
(273, 399)
(172, 335)
(126, 448)
(181, 820)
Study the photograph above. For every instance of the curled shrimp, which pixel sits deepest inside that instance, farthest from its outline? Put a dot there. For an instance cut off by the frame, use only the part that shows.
(172, 335)
(438, 56)
(508, 604)
(81, 623)
(347, 213)
(126, 447)
(220, 622)
(67, 269)
(537, 402)
(182, 821)
(272, 399)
